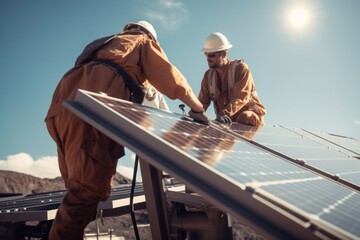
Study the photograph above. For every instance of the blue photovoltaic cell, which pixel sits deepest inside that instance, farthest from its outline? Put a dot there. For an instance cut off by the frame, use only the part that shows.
(251, 167)
(316, 152)
(291, 143)
(292, 184)
(338, 142)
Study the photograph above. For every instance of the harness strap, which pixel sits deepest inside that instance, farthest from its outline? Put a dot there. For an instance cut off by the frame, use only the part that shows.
(231, 78)
(231, 81)
(211, 80)
(137, 93)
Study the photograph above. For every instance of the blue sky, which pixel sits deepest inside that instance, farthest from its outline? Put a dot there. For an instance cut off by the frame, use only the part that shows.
(306, 77)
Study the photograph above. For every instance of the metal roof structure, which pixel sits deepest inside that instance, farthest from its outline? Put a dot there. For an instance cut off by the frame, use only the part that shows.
(43, 206)
(16, 211)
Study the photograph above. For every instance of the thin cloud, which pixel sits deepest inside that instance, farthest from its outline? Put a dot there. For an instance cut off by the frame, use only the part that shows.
(169, 13)
(171, 4)
(357, 122)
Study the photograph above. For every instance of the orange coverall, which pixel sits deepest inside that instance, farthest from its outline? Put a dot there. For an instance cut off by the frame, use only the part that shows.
(242, 104)
(87, 158)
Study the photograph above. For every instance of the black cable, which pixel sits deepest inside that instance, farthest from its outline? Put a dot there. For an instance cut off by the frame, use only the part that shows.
(132, 209)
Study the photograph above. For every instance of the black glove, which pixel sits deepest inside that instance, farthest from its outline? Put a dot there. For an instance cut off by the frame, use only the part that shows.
(199, 117)
(223, 119)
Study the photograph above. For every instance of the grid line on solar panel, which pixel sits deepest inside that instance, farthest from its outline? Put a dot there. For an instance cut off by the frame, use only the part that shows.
(291, 143)
(342, 143)
(306, 151)
(348, 146)
(287, 188)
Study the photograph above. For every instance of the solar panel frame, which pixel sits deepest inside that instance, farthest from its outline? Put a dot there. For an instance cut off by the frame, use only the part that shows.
(118, 128)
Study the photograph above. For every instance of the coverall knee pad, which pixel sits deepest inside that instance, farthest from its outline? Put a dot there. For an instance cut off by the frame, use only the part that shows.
(249, 118)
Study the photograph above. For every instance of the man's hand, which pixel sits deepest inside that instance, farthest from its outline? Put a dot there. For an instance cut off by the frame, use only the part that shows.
(199, 117)
(225, 119)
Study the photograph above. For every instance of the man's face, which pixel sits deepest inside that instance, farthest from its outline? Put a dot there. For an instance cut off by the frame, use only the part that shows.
(215, 59)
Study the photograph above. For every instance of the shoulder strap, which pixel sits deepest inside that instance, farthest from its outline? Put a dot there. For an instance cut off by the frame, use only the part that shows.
(91, 49)
(88, 54)
(231, 79)
(211, 83)
(231, 76)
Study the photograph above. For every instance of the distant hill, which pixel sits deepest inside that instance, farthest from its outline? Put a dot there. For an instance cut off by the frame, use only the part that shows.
(20, 183)
(15, 182)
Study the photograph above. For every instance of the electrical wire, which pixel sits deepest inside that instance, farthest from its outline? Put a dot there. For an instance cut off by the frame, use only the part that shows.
(132, 208)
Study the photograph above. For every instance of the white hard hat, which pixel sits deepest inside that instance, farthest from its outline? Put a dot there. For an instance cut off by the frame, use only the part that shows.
(143, 24)
(216, 42)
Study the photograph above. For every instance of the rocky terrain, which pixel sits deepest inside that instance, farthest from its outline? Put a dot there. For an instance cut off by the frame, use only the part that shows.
(14, 182)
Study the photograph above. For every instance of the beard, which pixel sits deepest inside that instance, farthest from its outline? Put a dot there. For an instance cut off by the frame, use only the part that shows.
(212, 64)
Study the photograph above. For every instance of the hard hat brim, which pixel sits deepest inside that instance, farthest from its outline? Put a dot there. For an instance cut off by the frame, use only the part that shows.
(128, 25)
(150, 29)
(216, 49)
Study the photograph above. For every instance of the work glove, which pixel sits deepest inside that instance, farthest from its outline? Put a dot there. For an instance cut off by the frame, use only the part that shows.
(200, 117)
(225, 119)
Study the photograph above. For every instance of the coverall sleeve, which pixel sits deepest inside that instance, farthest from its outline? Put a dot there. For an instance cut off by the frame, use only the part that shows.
(163, 75)
(241, 91)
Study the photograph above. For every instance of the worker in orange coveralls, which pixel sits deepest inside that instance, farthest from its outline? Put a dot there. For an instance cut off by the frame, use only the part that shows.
(87, 158)
(230, 85)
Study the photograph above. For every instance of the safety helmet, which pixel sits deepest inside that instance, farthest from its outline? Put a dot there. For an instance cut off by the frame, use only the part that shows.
(216, 42)
(143, 24)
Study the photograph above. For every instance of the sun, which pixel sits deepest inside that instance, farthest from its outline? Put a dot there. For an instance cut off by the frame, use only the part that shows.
(299, 17)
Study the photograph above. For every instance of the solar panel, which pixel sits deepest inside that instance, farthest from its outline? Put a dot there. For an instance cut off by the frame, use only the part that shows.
(43, 206)
(350, 146)
(235, 170)
(319, 154)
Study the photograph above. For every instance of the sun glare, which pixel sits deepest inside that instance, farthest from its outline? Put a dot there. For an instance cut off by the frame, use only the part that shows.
(299, 17)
